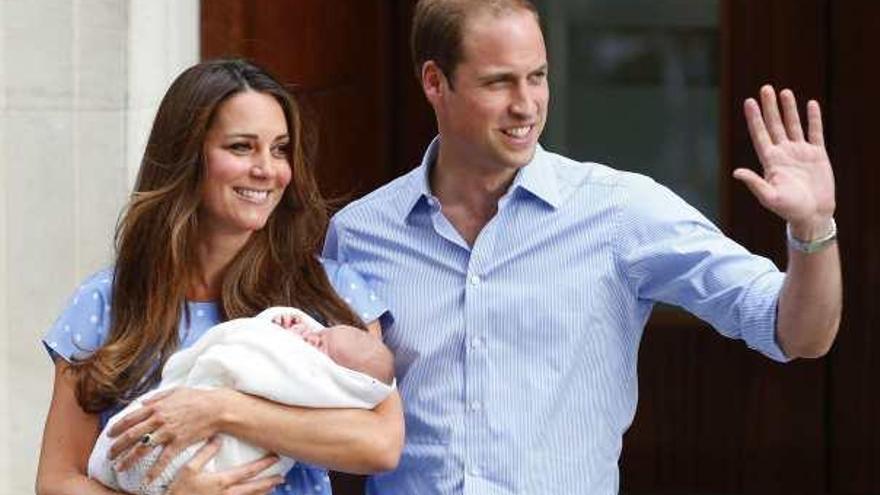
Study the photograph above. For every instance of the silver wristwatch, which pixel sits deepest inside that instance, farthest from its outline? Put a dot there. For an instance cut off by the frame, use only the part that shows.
(814, 245)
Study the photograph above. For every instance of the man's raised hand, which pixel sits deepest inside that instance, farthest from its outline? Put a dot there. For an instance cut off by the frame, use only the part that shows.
(797, 184)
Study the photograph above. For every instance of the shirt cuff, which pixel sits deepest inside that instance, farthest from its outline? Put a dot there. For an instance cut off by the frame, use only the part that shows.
(760, 315)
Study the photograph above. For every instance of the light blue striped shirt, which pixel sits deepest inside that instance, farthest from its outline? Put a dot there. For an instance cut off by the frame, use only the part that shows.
(516, 358)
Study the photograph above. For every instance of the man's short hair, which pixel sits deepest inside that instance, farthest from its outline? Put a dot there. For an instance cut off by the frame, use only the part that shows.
(438, 25)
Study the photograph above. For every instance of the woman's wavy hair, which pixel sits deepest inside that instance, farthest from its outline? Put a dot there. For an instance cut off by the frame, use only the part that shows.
(156, 237)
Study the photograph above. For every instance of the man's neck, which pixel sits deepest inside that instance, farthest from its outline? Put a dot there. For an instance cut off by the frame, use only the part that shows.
(469, 193)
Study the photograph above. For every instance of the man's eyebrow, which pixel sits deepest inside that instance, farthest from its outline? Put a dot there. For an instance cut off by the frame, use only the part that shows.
(542, 68)
(508, 75)
(496, 76)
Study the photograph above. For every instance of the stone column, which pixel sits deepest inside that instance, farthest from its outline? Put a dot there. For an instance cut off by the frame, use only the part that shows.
(80, 81)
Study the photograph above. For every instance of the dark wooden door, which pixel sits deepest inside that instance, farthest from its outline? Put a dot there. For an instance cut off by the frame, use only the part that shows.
(713, 417)
(853, 412)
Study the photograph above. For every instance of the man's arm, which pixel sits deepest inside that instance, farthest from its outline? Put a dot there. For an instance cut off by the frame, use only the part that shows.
(798, 185)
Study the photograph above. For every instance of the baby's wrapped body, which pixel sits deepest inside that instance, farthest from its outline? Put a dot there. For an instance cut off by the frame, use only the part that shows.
(259, 357)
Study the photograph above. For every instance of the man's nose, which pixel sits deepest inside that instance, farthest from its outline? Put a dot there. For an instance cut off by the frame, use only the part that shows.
(523, 102)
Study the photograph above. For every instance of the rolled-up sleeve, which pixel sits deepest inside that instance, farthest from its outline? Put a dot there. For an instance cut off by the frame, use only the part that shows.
(671, 253)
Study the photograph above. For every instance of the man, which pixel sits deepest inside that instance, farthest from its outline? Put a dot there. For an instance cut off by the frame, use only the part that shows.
(519, 281)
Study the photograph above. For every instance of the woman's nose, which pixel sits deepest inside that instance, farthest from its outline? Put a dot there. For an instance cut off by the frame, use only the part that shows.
(262, 165)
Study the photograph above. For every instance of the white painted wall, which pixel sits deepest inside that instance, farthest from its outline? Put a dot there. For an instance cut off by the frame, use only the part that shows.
(80, 81)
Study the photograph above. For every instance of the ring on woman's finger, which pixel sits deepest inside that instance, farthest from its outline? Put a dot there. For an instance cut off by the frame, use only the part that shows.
(149, 439)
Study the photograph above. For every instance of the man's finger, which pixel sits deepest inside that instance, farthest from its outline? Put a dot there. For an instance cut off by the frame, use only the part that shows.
(757, 130)
(790, 114)
(814, 123)
(772, 118)
(256, 487)
(762, 190)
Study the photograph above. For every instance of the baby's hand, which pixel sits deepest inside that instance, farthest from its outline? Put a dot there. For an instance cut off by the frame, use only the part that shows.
(285, 321)
(291, 322)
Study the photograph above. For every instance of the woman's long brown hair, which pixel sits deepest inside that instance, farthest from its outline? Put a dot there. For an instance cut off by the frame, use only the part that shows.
(157, 233)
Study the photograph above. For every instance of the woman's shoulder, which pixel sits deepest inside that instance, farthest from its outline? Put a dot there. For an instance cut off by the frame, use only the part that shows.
(340, 275)
(83, 323)
(100, 281)
(331, 266)
(354, 290)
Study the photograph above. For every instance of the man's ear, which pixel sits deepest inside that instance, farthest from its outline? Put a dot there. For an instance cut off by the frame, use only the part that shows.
(434, 82)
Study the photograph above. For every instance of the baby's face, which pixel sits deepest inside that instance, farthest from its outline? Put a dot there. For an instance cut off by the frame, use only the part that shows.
(339, 343)
(342, 344)
(346, 346)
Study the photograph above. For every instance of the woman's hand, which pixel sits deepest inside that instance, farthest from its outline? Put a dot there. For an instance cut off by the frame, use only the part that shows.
(175, 419)
(191, 480)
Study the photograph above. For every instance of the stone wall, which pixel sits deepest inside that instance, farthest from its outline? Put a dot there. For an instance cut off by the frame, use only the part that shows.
(80, 81)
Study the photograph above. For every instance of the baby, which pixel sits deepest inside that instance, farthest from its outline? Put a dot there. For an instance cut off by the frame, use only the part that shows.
(282, 355)
(346, 346)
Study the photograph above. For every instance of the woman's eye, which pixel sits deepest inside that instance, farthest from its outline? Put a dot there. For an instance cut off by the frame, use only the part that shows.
(239, 147)
(281, 150)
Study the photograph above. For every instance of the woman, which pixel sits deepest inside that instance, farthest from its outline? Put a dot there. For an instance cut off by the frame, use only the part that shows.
(224, 222)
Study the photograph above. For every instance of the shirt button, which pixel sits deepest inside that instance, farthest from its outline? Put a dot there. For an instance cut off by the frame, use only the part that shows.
(475, 342)
(475, 279)
(475, 405)
(474, 471)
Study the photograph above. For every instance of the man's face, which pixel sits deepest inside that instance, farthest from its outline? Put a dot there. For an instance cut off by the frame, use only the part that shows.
(495, 114)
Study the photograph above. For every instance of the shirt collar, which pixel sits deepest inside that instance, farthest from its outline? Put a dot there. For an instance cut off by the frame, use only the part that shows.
(538, 178)
(419, 180)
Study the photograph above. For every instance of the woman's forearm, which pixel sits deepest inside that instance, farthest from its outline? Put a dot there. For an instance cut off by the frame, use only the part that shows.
(65, 484)
(351, 440)
(68, 437)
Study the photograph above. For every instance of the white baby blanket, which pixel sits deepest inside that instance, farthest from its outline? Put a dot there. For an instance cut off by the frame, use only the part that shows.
(255, 356)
